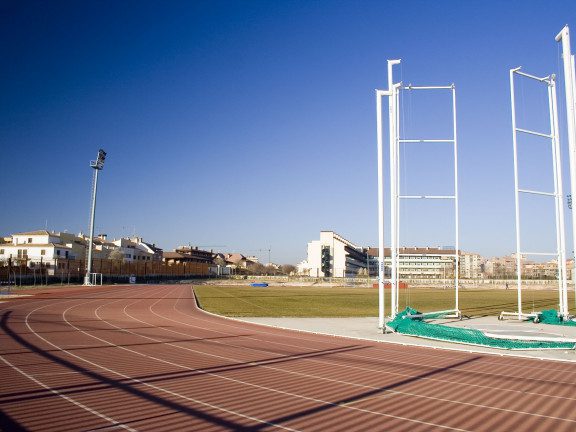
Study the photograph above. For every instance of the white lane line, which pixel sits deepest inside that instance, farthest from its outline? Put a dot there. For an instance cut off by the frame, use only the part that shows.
(67, 398)
(372, 358)
(368, 387)
(135, 380)
(392, 347)
(64, 396)
(316, 400)
(404, 360)
(363, 357)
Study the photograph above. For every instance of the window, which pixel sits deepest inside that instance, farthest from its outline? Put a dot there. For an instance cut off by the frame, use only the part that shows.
(29, 239)
(43, 252)
(22, 253)
(66, 252)
(1, 251)
(58, 252)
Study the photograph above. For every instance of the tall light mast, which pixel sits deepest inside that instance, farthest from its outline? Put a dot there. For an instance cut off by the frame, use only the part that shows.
(97, 165)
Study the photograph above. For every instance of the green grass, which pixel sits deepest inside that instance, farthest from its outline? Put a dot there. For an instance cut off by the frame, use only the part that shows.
(359, 302)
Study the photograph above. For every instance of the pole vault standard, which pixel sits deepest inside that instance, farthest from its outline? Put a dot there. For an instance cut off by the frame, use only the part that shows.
(557, 194)
(395, 140)
(381, 272)
(570, 88)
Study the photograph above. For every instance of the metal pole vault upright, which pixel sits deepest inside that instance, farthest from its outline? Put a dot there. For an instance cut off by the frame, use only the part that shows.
(381, 272)
(557, 194)
(570, 89)
(395, 140)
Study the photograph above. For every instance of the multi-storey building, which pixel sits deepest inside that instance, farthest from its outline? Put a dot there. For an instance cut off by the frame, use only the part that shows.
(42, 246)
(502, 267)
(470, 265)
(134, 249)
(334, 256)
(50, 248)
(421, 262)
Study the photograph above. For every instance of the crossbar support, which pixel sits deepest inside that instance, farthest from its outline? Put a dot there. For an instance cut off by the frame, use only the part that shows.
(394, 142)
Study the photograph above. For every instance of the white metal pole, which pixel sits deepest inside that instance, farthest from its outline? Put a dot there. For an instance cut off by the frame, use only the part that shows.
(381, 304)
(557, 198)
(397, 196)
(456, 210)
(89, 263)
(572, 153)
(560, 200)
(570, 88)
(393, 178)
(517, 204)
(393, 237)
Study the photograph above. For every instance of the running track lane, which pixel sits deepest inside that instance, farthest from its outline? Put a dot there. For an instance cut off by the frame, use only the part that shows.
(146, 358)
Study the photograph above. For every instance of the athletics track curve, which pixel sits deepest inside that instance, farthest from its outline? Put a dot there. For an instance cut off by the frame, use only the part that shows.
(146, 358)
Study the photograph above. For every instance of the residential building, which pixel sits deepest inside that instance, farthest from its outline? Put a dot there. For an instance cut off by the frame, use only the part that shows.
(303, 268)
(334, 256)
(470, 265)
(238, 261)
(134, 249)
(421, 262)
(42, 246)
(176, 257)
(540, 270)
(196, 254)
(502, 267)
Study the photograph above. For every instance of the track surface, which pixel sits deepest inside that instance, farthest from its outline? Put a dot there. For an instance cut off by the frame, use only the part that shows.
(146, 358)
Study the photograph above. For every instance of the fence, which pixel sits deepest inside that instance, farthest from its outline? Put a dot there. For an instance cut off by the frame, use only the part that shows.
(66, 271)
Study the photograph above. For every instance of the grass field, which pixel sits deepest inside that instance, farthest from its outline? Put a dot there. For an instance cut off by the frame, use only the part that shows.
(359, 302)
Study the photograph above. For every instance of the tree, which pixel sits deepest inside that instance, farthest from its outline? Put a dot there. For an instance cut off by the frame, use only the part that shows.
(287, 269)
(116, 254)
(257, 269)
(218, 260)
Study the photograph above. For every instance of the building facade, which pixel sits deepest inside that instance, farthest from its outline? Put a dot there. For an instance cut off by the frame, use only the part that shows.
(42, 246)
(334, 256)
(48, 248)
(470, 265)
(134, 249)
(421, 262)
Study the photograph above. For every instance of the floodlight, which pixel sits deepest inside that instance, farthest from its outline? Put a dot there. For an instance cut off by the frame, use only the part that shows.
(98, 164)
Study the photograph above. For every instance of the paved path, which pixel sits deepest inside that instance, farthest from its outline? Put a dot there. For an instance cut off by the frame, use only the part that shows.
(367, 329)
(146, 358)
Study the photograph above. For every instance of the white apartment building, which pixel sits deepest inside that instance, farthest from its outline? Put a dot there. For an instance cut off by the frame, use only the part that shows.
(51, 248)
(470, 265)
(303, 268)
(134, 249)
(421, 262)
(334, 256)
(43, 246)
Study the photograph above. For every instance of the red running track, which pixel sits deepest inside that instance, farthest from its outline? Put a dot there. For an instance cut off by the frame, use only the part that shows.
(146, 358)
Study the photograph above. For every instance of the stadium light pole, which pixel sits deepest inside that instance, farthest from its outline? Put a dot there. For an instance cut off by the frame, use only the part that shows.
(97, 165)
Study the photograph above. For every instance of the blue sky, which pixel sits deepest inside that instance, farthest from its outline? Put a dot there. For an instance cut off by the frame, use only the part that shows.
(252, 124)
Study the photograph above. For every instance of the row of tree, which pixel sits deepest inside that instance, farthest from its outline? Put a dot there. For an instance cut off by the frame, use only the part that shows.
(258, 269)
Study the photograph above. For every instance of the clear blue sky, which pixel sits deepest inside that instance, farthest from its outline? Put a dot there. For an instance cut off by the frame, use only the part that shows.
(252, 124)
